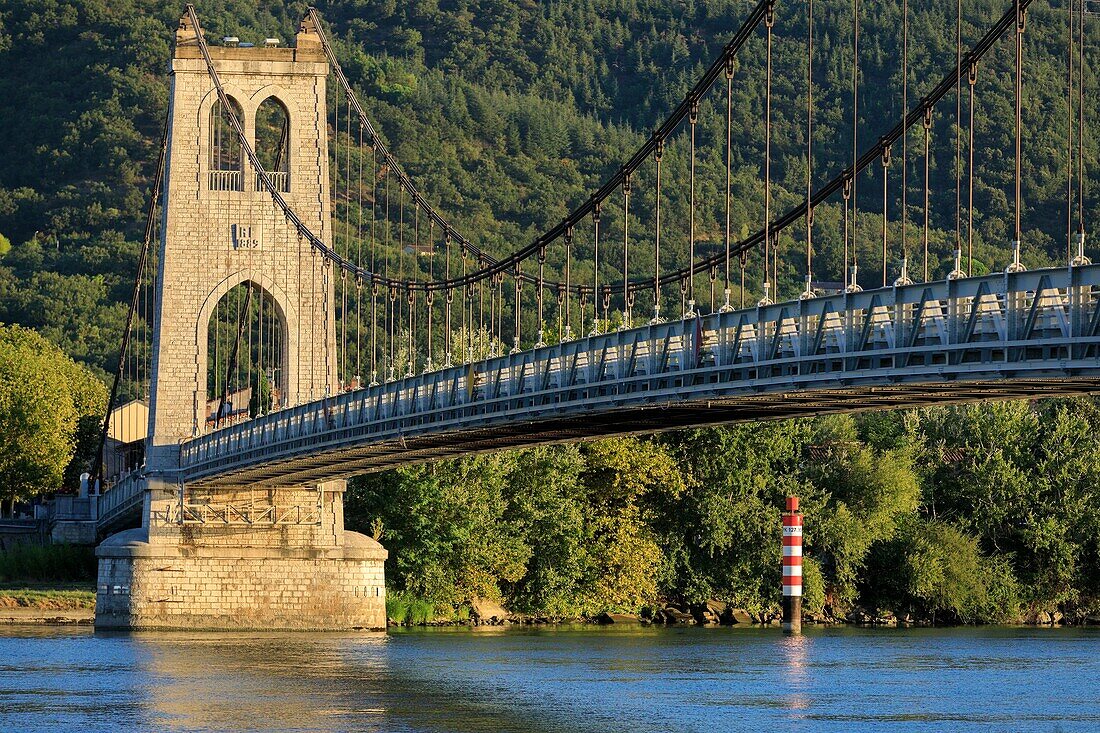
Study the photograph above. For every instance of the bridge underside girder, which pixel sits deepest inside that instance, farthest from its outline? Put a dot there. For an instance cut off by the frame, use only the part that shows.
(656, 418)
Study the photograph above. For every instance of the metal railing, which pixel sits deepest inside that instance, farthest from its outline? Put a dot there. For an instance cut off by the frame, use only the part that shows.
(120, 500)
(1041, 324)
(239, 515)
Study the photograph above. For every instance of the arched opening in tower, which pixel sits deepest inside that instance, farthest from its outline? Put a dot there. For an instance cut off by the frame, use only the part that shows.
(226, 157)
(273, 143)
(246, 373)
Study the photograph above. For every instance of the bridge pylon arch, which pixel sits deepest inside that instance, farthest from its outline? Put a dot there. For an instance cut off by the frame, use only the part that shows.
(238, 557)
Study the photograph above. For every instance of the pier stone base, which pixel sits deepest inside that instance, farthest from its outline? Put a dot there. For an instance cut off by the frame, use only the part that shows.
(219, 576)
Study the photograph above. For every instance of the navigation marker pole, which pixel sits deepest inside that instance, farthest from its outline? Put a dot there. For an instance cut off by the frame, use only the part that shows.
(792, 567)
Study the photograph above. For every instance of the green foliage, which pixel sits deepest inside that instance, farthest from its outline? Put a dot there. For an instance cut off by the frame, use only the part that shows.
(620, 475)
(408, 610)
(558, 531)
(546, 505)
(39, 563)
(49, 411)
(449, 516)
(1026, 483)
(933, 570)
(956, 515)
(720, 531)
(813, 586)
(864, 493)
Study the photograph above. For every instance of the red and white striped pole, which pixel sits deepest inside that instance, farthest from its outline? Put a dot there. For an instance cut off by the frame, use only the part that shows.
(792, 567)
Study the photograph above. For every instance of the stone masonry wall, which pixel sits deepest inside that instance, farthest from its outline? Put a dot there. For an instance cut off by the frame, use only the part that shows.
(144, 587)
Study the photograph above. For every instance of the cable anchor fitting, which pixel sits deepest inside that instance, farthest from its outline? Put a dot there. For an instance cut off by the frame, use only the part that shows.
(1015, 265)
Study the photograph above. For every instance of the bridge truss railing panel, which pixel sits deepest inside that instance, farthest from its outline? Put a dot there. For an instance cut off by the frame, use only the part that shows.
(940, 330)
(121, 498)
(502, 385)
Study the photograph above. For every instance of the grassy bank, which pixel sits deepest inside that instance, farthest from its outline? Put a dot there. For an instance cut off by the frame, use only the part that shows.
(59, 599)
(406, 609)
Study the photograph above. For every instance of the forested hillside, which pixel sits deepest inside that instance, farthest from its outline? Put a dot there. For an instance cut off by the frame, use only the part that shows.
(504, 112)
(508, 112)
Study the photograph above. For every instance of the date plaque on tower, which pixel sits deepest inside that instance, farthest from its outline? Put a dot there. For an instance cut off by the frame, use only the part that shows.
(246, 236)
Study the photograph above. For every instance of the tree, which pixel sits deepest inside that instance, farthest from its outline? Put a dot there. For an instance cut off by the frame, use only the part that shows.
(443, 525)
(547, 505)
(47, 404)
(864, 494)
(722, 531)
(623, 477)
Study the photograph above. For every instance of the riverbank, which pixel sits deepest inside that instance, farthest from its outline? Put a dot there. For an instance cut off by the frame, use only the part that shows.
(481, 612)
(47, 605)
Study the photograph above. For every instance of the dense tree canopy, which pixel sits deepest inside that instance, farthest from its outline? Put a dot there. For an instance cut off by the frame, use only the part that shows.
(906, 513)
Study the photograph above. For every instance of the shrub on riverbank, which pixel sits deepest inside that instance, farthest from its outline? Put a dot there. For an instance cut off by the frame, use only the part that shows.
(930, 570)
(405, 609)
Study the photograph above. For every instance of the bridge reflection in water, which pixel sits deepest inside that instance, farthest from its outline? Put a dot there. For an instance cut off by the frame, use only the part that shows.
(1000, 336)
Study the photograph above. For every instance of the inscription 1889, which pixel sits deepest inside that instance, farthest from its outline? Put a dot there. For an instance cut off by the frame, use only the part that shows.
(243, 237)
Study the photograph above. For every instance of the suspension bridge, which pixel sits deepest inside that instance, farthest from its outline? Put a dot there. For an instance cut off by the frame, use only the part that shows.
(303, 313)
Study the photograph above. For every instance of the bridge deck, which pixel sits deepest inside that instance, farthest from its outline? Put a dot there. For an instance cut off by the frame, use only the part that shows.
(994, 337)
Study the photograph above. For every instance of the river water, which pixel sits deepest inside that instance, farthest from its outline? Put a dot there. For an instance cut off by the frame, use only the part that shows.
(553, 680)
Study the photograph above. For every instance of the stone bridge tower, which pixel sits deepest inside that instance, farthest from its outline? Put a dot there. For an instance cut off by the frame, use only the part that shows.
(241, 557)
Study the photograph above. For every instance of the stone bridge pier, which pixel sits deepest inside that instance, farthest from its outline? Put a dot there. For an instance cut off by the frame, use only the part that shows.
(239, 557)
